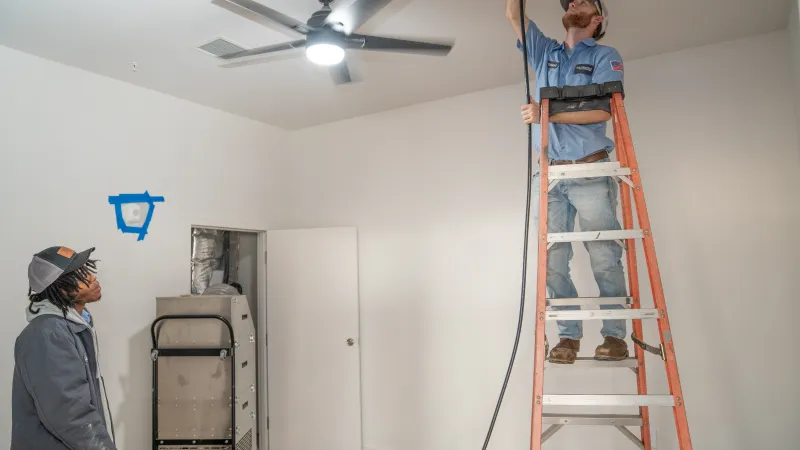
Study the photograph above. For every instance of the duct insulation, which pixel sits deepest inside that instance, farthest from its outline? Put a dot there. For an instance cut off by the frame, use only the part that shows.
(214, 250)
(221, 289)
(204, 258)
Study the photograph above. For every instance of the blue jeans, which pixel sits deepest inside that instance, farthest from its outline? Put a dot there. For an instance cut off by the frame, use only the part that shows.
(594, 201)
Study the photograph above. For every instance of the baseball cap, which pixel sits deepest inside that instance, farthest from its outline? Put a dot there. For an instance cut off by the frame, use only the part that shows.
(49, 264)
(601, 6)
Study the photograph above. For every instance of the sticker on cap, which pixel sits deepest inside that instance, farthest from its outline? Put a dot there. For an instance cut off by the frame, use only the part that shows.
(66, 252)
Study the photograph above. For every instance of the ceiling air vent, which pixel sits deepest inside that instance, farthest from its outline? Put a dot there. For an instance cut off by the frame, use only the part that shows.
(220, 47)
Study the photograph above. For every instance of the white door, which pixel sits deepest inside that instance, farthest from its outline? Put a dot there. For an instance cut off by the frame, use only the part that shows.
(313, 358)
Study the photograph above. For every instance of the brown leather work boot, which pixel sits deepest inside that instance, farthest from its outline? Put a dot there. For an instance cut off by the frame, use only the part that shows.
(613, 349)
(565, 352)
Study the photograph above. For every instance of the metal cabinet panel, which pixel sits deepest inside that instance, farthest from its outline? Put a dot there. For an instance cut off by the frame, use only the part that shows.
(194, 392)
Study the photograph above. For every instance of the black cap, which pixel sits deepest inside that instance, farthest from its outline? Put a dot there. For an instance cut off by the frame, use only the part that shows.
(49, 264)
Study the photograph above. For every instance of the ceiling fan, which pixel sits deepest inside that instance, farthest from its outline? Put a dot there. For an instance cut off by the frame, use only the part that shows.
(328, 35)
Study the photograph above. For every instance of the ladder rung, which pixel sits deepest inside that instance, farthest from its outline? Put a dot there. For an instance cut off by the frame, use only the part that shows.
(584, 167)
(588, 362)
(589, 301)
(604, 314)
(608, 400)
(582, 236)
(604, 169)
(621, 420)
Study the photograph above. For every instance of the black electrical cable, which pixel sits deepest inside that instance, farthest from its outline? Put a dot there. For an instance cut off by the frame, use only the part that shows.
(529, 182)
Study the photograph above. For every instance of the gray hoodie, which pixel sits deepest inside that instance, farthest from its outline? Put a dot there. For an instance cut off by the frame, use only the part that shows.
(56, 399)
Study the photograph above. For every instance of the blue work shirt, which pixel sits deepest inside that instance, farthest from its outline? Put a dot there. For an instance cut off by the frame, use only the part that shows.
(589, 63)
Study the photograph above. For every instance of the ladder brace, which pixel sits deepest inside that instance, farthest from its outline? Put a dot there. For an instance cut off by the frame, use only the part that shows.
(553, 429)
(627, 433)
(659, 351)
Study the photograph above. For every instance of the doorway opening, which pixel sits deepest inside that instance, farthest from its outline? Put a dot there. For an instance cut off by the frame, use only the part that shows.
(224, 259)
(226, 256)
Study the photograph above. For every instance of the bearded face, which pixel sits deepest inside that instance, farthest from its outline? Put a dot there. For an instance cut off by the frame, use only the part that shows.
(575, 18)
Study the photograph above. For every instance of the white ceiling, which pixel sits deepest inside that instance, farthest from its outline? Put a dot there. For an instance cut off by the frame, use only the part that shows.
(161, 36)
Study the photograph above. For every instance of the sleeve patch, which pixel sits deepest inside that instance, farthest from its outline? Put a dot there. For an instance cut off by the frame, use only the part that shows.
(616, 66)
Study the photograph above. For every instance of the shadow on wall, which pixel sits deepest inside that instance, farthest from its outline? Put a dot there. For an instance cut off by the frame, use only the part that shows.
(136, 400)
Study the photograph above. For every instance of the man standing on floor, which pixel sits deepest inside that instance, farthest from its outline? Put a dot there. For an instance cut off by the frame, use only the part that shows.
(56, 398)
(577, 137)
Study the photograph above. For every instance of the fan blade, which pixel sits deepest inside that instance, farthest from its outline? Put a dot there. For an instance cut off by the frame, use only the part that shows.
(386, 44)
(263, 12)
(357, 14)
(264, 50)
(341, 73)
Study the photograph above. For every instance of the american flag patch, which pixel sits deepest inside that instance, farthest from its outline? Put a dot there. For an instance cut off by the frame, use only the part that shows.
(616, 65)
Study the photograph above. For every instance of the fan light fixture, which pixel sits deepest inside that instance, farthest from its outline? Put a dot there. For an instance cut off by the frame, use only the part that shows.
(325, 54)
(328, 37)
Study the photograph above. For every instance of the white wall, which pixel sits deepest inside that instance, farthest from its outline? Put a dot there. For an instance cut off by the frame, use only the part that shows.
(70, 139)
(437, 191)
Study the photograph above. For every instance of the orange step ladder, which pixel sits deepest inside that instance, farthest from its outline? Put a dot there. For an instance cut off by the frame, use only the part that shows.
(626, 169)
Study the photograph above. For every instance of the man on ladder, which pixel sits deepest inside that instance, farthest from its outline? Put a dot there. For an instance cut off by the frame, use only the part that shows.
(578, 136)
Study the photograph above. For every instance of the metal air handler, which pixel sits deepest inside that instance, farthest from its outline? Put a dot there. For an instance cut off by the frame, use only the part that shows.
(204, 374)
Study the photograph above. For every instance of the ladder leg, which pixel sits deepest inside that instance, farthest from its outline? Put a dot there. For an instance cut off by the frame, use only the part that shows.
(673, 377)
(541, 285)
(633, 283)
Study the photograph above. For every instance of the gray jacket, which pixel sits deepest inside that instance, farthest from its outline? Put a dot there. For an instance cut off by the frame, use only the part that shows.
(56, 398)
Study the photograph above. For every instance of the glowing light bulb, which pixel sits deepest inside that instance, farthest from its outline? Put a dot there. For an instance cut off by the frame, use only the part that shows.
(325, 54)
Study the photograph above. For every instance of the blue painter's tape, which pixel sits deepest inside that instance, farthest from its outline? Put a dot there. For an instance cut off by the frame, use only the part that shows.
(122, 199)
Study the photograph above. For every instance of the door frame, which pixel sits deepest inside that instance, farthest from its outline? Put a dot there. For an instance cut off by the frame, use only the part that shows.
(261, 341)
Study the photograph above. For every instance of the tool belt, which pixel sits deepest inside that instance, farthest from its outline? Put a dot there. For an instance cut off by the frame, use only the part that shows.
(585, 160)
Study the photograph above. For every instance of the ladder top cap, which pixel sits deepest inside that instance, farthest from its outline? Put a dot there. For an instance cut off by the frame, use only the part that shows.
(587, 91)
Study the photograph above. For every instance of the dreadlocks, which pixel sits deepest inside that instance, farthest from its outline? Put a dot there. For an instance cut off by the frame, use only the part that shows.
(62, 291)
